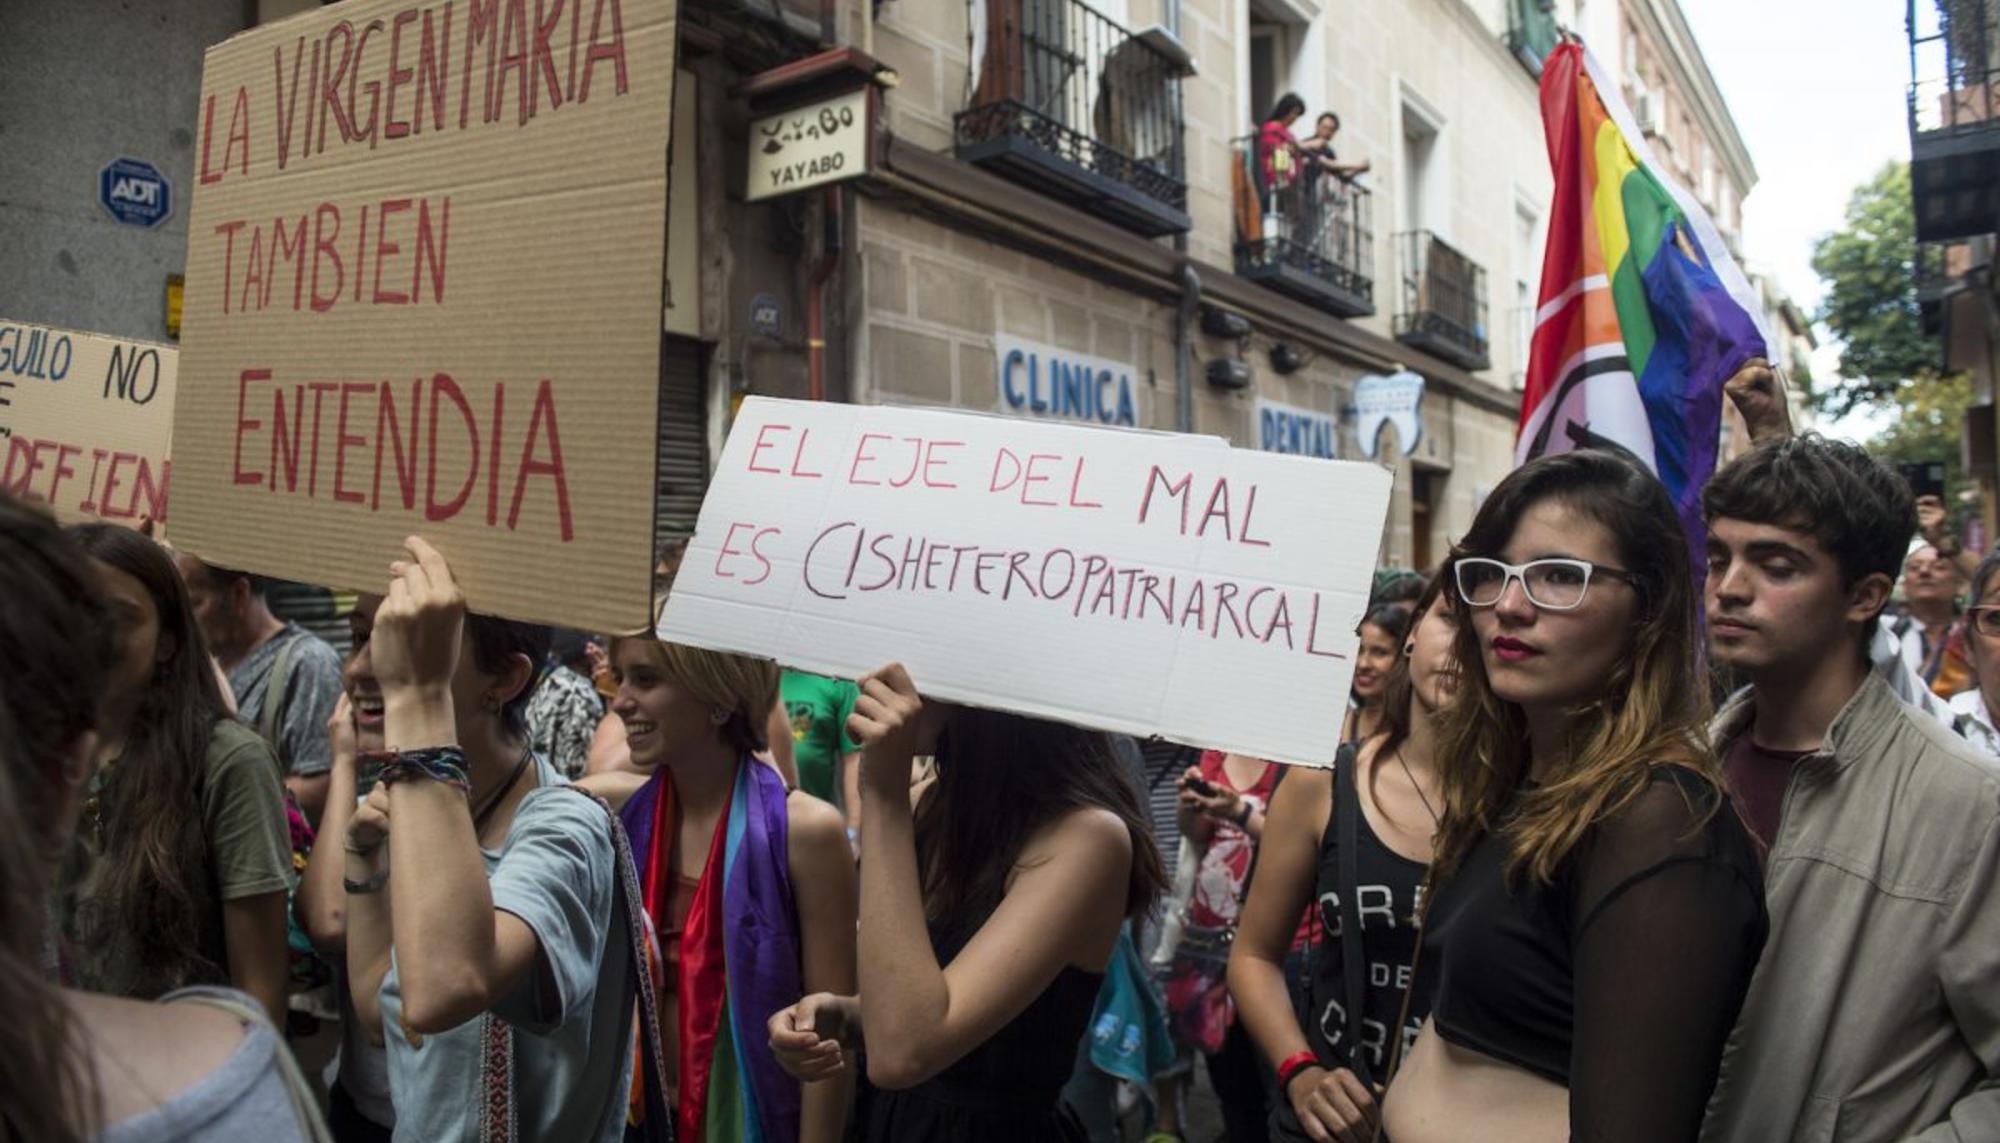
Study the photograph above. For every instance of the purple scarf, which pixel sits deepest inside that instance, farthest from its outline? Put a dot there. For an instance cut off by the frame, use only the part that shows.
(761, 949)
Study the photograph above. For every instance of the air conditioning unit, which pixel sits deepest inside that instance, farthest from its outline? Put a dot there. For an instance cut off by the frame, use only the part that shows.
(1646, 109)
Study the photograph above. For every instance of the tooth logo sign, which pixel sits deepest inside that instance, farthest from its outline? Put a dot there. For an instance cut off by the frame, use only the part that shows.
(1396, 399)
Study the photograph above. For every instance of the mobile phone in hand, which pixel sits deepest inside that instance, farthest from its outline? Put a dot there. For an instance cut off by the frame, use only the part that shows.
(1926, 477)
(1204, 788)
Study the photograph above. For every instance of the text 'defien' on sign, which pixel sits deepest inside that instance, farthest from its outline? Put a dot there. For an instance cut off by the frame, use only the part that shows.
(85, 422)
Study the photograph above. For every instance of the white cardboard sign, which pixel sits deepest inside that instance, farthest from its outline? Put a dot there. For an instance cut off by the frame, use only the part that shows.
(85, 421)
(1147, 583)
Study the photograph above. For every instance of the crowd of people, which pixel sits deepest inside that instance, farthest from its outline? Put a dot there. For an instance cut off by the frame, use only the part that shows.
(1623, 843)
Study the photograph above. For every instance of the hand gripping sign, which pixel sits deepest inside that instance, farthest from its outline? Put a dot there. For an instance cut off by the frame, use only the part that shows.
(1147, 583)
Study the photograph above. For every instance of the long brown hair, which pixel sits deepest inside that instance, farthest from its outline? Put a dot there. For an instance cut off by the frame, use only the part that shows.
(156, 881)
(1000, 778)
(1651, 709)
(55, 650)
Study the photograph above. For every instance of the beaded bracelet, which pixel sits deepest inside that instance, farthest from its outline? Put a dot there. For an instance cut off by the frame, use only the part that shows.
(444, 764)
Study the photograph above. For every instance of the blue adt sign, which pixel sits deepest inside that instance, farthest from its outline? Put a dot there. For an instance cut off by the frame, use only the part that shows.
(135, 192)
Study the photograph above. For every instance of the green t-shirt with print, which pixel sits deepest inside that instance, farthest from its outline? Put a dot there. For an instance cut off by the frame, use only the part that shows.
(818, 708)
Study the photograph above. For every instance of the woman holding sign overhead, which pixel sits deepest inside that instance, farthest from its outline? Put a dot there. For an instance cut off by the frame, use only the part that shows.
(505, 896)
(988, 912)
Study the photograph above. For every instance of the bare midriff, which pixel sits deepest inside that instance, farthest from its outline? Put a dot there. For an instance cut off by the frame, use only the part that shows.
(1447, 1094)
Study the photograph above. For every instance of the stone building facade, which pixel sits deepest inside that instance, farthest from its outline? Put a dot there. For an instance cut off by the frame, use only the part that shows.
(962, 261)
(1058, 188)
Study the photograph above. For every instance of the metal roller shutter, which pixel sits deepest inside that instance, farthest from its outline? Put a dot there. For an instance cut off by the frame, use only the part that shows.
(322, 612)
(683, 449)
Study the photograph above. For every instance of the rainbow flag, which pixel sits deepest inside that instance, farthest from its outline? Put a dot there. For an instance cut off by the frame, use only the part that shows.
(1643, 313)
(740, 959)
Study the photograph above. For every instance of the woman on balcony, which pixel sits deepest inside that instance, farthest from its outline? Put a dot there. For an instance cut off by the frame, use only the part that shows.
(1277, 148)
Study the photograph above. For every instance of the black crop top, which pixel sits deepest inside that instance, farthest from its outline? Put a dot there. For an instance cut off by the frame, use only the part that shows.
(1621, 978)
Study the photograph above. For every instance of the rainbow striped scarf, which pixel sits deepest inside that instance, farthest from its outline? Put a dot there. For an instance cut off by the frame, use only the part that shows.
(1643, 312)
(739, 958)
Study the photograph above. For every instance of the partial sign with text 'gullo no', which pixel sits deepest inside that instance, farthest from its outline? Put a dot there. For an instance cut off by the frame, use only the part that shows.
(1147, 583)
(85, 422)
(424, 295)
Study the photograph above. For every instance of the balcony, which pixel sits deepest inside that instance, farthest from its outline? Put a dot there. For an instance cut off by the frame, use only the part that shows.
(1954, 117)
(1444, 301)
(1311, 238)
(1532, 32)
(1073, 105)
(766, 33)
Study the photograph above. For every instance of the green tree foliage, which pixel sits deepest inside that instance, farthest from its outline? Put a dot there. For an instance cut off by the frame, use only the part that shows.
(1870, 269)
(1930, 413)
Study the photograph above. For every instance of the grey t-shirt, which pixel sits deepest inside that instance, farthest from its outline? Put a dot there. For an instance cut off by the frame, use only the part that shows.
(312, 687)
(573, 1042)
(243, 1101)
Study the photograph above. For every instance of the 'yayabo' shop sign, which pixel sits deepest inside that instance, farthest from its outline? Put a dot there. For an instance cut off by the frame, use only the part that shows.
(809, 146)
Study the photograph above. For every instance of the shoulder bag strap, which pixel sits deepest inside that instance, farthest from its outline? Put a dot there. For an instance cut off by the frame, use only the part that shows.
(659, 1125)
(312, 1126)
(274, 696)
(1410, 990)
(498, 1112)
(1347, 808)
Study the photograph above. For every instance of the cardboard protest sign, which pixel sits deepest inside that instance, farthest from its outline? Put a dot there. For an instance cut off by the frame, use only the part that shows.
(85, 421)
(424, 295)
(1148, 583)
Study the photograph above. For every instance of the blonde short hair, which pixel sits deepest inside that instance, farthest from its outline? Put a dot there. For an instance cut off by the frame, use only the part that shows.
(744, 686)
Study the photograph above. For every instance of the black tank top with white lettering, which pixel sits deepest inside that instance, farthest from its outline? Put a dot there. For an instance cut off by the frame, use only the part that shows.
(1388, 897)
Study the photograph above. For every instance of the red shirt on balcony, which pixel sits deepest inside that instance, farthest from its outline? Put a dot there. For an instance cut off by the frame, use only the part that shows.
(1276, 154)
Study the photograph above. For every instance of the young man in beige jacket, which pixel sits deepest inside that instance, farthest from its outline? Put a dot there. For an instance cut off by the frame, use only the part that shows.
(1875, 1012)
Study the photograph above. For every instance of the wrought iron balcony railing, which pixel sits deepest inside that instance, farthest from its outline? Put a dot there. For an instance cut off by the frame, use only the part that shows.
(1954, 115)
(1304, 231)
(1444, 300)
(1071, 103)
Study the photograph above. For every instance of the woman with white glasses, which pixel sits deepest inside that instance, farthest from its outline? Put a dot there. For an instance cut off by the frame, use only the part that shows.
(1596, 908)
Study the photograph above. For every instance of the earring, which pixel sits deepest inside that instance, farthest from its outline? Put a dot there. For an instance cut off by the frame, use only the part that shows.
(718, 717)
(489, 704)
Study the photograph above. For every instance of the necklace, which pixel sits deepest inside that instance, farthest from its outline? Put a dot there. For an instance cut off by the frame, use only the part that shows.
(1404, 763)
(494, 799)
